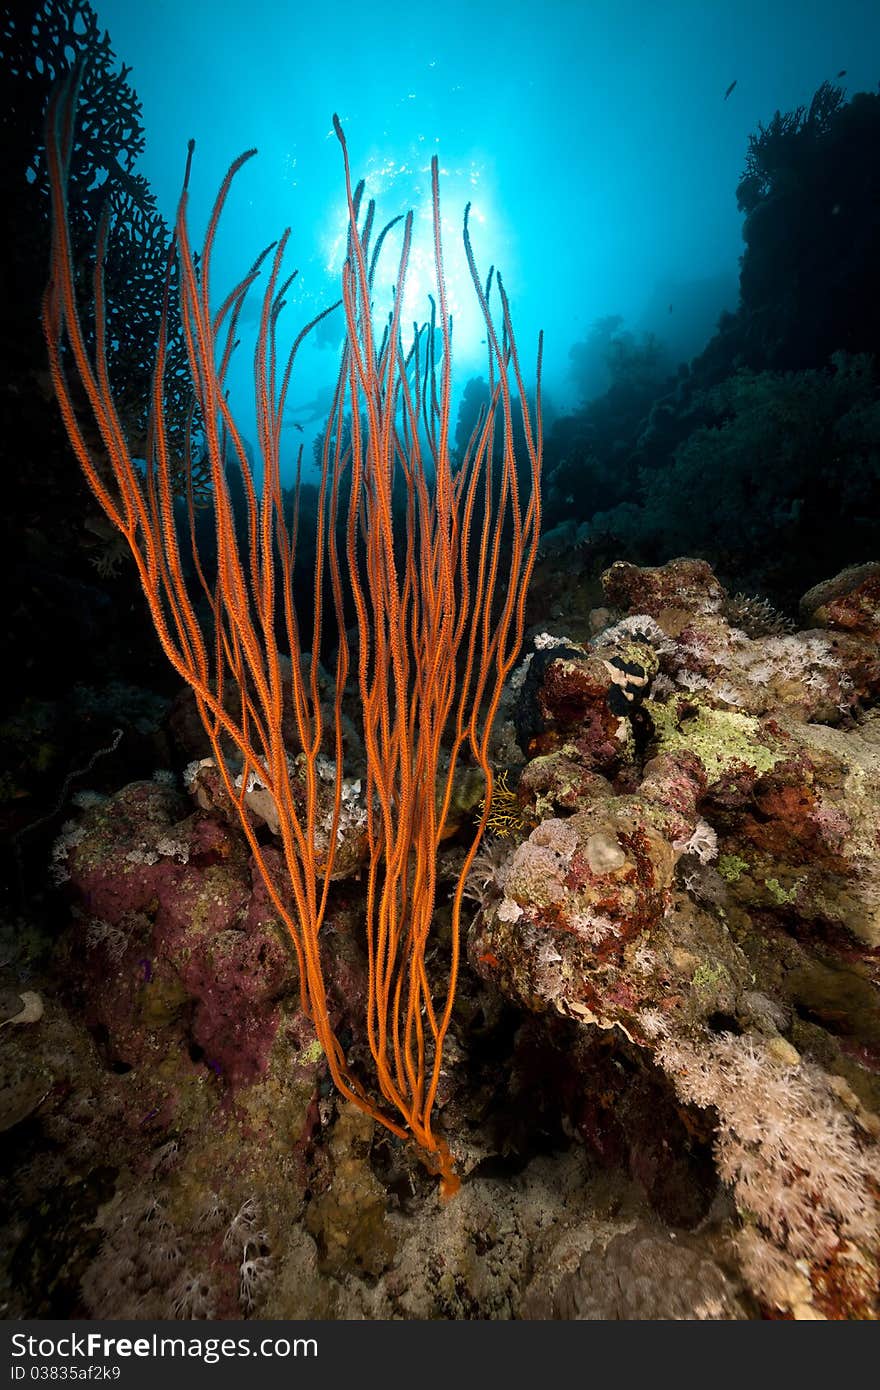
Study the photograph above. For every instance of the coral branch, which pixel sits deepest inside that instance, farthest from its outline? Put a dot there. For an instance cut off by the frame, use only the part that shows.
(435, 641)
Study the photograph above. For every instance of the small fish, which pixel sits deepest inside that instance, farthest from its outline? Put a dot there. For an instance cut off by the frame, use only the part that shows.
(842, 72)
(730, 89)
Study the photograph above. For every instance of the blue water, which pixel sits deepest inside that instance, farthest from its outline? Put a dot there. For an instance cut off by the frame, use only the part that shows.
(593, 139)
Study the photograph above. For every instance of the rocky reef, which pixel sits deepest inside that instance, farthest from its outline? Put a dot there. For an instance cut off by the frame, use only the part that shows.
(703, 881)
(661, 1083)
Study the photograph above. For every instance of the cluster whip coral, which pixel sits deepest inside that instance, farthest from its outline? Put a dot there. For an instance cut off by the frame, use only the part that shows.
(439, 601)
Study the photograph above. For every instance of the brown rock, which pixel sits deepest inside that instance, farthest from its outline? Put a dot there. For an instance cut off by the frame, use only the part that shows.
(850, 602)
(680, 584)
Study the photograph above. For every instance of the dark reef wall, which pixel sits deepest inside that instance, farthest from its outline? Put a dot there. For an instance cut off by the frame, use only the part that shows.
(81, 660)
(763, 454)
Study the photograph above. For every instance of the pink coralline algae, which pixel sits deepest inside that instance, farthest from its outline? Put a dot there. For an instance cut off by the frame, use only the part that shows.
(574, 707)
(574, 893)
(179, 893)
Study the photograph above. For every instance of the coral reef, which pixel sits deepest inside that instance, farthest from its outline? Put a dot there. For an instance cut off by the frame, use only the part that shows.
(714, 893)
(662, 1079)
(661, 1083)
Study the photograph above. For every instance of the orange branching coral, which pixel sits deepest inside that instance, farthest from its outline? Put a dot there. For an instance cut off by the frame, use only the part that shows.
(439, 611)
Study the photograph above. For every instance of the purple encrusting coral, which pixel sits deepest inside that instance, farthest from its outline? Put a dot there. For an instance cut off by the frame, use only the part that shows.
(202, 964)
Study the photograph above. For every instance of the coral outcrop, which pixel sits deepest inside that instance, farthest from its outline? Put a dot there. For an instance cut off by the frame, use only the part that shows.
(662, 1081)
(714, 899)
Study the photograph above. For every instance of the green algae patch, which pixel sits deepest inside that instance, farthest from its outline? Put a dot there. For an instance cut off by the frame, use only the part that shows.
(731, 867)
(709, 977)
(778, 893)
(725, 741)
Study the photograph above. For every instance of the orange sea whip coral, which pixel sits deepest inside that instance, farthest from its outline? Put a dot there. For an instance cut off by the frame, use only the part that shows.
(439, 613)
